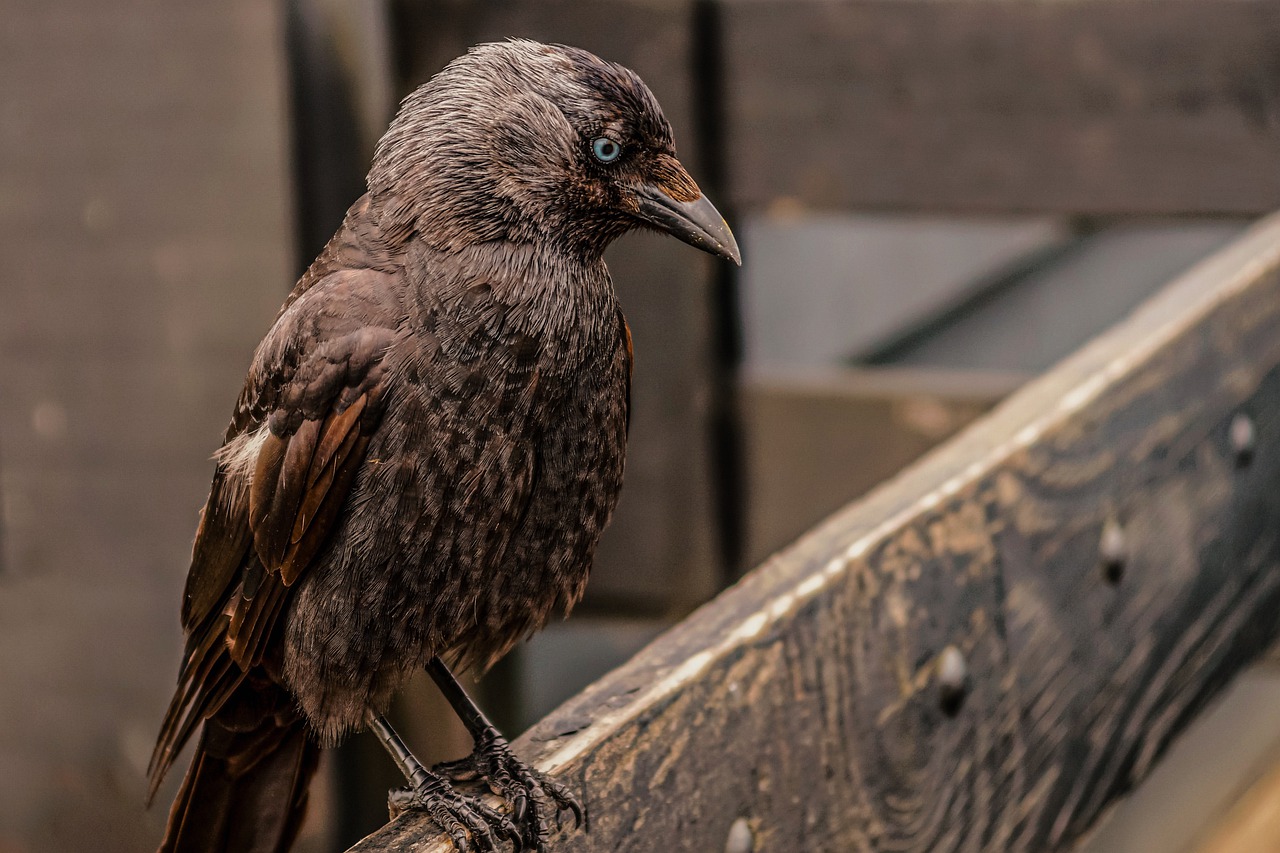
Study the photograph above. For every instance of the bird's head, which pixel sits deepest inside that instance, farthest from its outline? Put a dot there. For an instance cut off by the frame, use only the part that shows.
(531, 142)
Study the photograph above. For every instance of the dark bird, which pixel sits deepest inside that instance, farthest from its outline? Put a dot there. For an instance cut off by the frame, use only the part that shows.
(428, 445)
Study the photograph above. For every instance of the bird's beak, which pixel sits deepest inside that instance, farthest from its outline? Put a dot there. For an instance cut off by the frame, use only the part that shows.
(696, 222)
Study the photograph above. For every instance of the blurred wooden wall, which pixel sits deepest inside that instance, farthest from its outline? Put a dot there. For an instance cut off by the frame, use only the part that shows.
(145, 227)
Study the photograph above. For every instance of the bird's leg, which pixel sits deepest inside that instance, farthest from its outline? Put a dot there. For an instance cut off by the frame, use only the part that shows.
(532, 794)
(463, 818)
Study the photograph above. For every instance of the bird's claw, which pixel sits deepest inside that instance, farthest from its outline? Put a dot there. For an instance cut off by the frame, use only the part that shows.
(533, 795)
(464, 818)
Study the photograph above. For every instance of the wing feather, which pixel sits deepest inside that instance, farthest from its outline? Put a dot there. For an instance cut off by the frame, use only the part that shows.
(630, 353)
(328, 507)
(311, 484)
(297, 441)
(279, 489)
(262, 493)
(208, 677)
(337, 430)
(218, 552)
(252, 622)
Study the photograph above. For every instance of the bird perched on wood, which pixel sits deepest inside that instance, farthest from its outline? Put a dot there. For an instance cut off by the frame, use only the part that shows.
(428, 445)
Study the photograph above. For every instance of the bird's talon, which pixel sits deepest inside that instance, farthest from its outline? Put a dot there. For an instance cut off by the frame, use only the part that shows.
(534, 797)
(468, 821)
(519, 808)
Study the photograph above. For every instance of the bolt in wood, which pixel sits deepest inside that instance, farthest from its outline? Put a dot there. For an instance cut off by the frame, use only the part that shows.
(1113, 548)
(1244, 439)
(953, 680)
(740, 839)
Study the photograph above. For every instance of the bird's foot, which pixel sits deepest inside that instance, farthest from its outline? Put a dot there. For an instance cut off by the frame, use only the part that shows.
(533, 795)
(465, 818)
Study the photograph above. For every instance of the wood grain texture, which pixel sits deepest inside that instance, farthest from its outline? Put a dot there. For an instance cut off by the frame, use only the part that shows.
(1086, 107)
(804, 699)
(1200, 786)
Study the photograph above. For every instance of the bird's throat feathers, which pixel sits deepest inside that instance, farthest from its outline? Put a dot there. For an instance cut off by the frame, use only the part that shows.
(529, 288)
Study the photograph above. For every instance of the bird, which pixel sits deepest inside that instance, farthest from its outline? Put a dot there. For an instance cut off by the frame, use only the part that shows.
(428, 444)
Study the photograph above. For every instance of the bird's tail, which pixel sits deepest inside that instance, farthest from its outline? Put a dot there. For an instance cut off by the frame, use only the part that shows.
(246, 789)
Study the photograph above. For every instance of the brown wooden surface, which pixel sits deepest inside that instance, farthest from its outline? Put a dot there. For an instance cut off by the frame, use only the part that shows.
(1213, 790)
(805, 700)
(1078, 106)
(144, 226)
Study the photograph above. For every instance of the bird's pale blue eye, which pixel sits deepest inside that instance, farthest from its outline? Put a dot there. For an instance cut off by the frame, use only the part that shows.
(605, 149)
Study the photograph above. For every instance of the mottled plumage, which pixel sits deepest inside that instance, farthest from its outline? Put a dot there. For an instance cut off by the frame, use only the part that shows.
(431, 436)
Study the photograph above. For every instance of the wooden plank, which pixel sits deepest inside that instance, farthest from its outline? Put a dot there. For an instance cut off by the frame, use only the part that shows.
(805, 701)
(816, 440)
(822, 289)
(1080, 106)
(1201, 789)
(144, 223)
(659, 553)
(1041, 315)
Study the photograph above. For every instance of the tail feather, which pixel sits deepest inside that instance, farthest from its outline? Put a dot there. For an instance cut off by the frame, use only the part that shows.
(197, 698)
(246, 789)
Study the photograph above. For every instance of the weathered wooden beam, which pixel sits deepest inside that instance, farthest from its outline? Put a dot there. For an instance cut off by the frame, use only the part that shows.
(1079, 107)
(805, 700)
(1214, 788)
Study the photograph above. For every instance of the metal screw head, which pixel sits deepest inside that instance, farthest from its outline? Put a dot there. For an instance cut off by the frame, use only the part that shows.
(953, 680)
(740, 839)
(1113, 549)
(1244, 438)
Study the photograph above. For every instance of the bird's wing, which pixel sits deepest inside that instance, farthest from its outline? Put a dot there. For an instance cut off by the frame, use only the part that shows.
(310, 404)
(625, 332)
